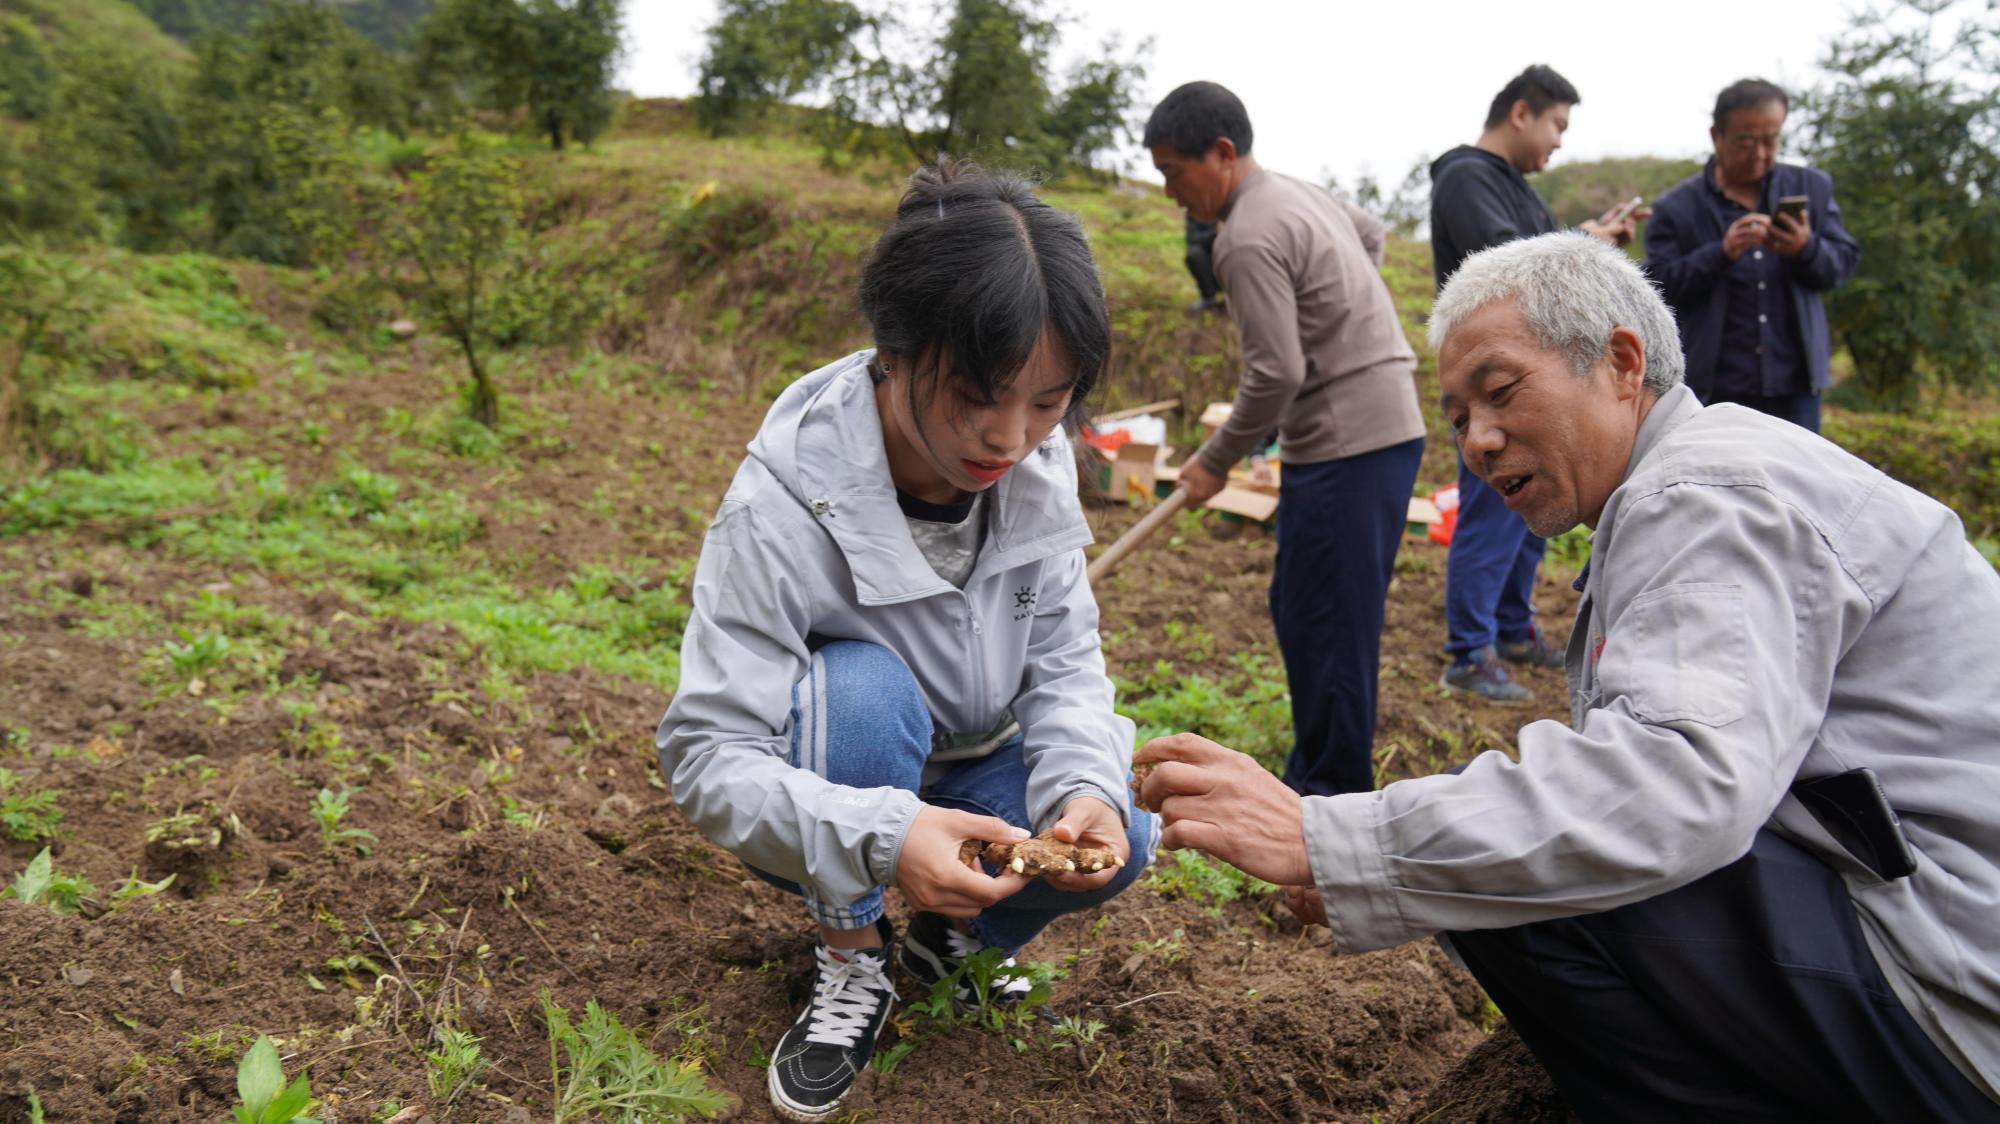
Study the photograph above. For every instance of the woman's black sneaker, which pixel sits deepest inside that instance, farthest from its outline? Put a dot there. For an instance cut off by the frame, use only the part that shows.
(817, 1060)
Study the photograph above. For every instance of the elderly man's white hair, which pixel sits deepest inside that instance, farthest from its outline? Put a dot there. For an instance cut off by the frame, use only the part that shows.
(1572, 290)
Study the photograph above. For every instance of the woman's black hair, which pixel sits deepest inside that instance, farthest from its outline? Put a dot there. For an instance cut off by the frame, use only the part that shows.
(973, 272)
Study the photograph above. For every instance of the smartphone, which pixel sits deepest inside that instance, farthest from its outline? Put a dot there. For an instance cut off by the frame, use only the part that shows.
(1626, 208)
(1794, 205)
(1852, 809)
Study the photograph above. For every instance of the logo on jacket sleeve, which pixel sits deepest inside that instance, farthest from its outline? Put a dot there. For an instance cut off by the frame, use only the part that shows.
(1024, 603)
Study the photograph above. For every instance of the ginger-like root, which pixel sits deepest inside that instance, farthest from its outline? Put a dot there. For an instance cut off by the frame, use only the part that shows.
(1140, 771)
(1043, 854)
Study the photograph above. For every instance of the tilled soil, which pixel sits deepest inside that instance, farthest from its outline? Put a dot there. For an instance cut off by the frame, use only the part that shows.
(525, 844)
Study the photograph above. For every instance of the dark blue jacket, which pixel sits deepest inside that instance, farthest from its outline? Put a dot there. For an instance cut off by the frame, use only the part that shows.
(1479, 200)
(1684, 254)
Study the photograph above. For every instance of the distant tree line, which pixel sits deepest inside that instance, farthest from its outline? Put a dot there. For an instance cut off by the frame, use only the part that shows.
(252, 146)
(979, 83)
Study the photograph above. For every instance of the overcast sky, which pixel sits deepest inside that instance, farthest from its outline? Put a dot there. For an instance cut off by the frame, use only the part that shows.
(1347, 88)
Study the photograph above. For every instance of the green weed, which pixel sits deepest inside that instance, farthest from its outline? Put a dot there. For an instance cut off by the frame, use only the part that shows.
(134, 888)
(196, 654)
(1170, 949)
(455, 1066)
(40, 882)
(328, 809)
(260, 1081)
(27, 816)
(1210, 883)
(597, 1066)
(1248, 709)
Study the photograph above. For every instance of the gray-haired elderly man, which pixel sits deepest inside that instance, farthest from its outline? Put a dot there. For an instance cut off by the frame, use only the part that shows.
(1758, 875)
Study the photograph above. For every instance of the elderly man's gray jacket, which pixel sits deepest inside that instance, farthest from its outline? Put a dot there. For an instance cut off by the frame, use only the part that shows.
(810, 545)
(1761, 607)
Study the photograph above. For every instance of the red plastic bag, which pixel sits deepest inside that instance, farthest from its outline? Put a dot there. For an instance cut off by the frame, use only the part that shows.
(1446, 500)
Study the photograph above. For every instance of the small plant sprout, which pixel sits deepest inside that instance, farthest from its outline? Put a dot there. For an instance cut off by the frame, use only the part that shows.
(260, 1081)
(610, 1074)
(27, 816)
(39, 882)
(329, 808)
(133, 888)
(198, 654)
(455, 1065)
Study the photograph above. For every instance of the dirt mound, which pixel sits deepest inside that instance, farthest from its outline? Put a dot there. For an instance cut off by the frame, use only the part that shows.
(1499, 1082)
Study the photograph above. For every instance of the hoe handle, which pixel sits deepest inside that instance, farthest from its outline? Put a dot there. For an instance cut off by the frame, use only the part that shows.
(1130, 540)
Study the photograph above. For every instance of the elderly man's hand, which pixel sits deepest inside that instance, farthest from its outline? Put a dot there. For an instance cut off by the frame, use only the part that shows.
(1221, 802)
(1306, 904)
(1789, 234)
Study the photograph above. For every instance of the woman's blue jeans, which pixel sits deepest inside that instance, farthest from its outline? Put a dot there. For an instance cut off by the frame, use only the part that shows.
(859, 719)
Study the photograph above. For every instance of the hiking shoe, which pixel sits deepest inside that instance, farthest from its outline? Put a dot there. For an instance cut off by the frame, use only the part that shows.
(1480, 672)
(933, 950)
(1535, 651)
(816, 1062)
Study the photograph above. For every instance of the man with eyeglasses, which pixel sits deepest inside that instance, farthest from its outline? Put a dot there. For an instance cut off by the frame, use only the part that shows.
(1743, 251)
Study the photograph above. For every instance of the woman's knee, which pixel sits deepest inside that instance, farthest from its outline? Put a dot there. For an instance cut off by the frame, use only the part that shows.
(859, 718)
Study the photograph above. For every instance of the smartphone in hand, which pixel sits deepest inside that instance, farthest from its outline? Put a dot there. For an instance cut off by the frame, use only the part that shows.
(1626, 208)
(1793, 205)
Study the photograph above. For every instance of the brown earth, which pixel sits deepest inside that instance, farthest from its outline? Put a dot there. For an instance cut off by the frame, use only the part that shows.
(525, 843)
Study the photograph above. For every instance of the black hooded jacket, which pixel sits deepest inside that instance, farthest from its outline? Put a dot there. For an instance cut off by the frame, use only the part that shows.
(1479, 200)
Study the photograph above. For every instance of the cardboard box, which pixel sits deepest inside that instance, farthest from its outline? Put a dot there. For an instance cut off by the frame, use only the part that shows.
(1134, 467)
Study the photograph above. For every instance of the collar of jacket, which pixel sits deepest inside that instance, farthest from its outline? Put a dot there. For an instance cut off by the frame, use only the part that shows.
(1668, 412)
(838, 467)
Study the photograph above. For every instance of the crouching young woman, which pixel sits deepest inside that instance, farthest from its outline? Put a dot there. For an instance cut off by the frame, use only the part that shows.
(893, 647)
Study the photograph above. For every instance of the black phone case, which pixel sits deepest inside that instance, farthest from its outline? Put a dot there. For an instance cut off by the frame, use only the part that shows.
(1852, 809)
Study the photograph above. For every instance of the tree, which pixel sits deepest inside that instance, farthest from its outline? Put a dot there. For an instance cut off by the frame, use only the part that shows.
(761, 52)
(1909, 128)
(1406, 210)
(460, 229)
(272, 112)
(980, 86)
(552, 58)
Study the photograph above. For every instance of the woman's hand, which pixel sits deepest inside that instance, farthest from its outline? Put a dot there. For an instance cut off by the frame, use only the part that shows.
(1090, 822)
(930, 874)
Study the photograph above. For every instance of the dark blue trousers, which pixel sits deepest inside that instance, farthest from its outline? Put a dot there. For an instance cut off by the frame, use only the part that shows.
(1489, 575)
(1799, 409)
(1339, 524)
(1747, 995)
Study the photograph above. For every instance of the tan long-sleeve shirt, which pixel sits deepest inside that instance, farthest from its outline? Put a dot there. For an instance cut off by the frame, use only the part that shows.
(1325, 362)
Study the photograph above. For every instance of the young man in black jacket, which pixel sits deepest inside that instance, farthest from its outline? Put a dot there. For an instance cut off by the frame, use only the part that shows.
(1480, 197)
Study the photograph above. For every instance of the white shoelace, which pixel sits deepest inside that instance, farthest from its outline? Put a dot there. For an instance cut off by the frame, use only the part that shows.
(844, 1001)
(964, 945)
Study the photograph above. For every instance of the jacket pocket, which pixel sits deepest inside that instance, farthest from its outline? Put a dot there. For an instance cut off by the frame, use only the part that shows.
(1679, 655)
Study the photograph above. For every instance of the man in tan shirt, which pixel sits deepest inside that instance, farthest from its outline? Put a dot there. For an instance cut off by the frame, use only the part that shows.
(1326, 365)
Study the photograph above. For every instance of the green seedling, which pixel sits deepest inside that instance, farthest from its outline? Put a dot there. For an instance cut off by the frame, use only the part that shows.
(260, 1081)
(198, 654)
(329, 808)
(1072, 1029)
(455, 1066)
(1207, 882)
(27, 816)
(1171, 950)
(133, 888)
(610, 1074)
(39, 882)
